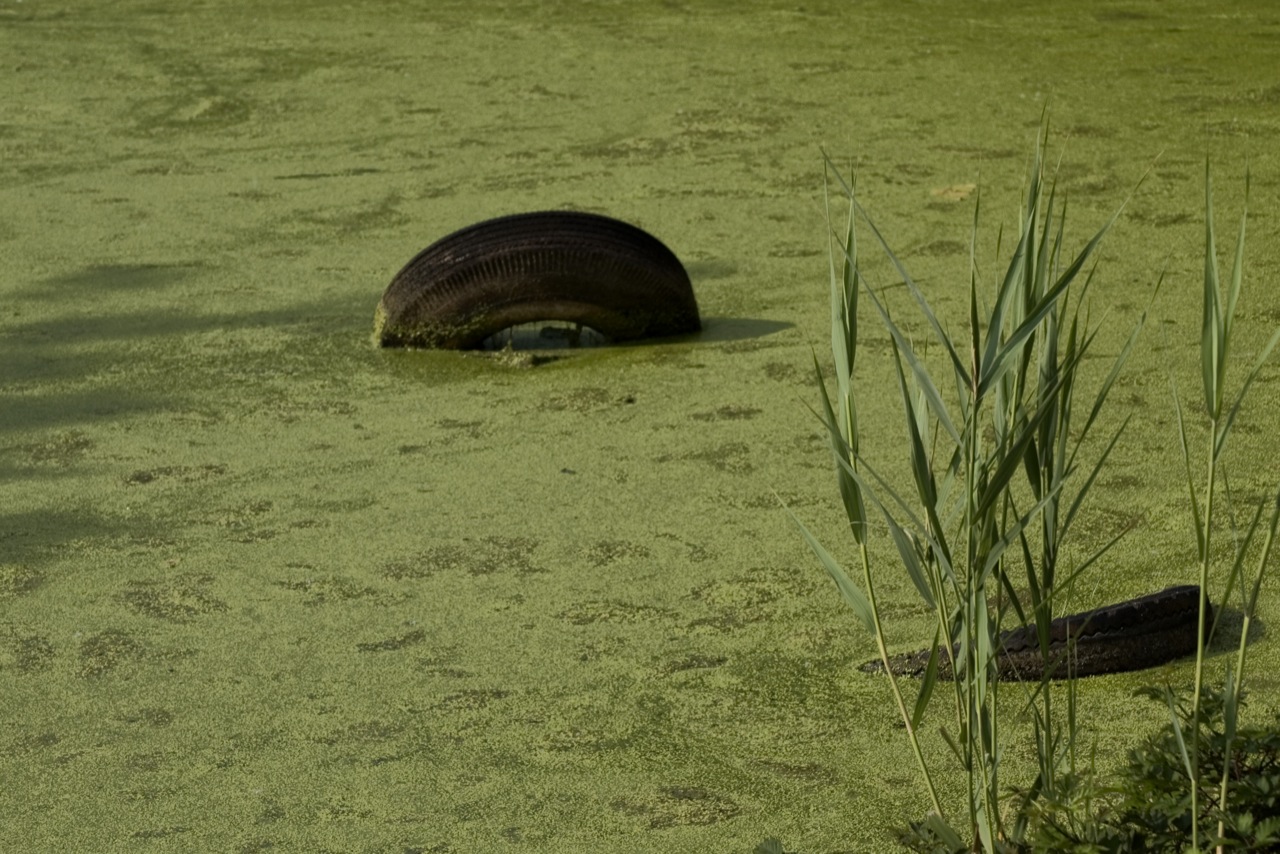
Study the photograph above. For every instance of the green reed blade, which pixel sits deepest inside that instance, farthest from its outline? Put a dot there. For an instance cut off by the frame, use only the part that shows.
(1105, 389)
(1177, 732)
(1237, 273)
(910, 559)
(938, 546)
(923, 378)
(939, 332)
(1212, 343)
(1186, 459)
(848, 589)
(1237, 568)
(1011, 532)
(1012, 459)
(841, 449)
(927, 683)
(1220, 440)
(1088, 483)
(921, 471)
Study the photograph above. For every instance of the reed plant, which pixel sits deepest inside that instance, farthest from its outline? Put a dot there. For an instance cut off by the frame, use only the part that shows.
(1204, 767)
(993, 442)
(996, 485)
(1218, 317)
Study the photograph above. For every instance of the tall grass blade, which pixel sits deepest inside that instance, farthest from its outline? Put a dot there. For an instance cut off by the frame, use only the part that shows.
(844, 304)
(1220, 440)
(1011, 533)
(1105, 389)
(937, 545)
(1237, 274)
(1088, 483)
(943, 339)
(910, 558)
(850, 495)
(1187, 764)
(923, 379)
(927, 683)
(1211, 330)
(1010, 462)
(1006, 356)
(1192, 498)
(848, 589)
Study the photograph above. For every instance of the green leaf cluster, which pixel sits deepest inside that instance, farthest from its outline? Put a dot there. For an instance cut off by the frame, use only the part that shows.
(1148, 807)
(993, 438)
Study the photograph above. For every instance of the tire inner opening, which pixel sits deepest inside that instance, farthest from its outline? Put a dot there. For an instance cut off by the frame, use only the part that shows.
(545, 335)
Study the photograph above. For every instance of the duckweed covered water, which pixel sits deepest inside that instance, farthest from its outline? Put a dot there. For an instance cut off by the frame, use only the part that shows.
(266, 587)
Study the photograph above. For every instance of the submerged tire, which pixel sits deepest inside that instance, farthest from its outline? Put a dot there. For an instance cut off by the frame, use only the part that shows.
(550, 265)
(1131, 635)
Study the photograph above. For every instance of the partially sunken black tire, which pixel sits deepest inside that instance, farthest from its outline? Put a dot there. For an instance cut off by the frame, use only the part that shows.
(547, 266)
(1132, 635)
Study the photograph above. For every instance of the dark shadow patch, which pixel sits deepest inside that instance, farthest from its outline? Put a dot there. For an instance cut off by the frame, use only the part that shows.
(341, 173)
(487, 556)
(605, 552)
(942, 248)
(362, 732)
(442, 664)
(127, 361)
(161, 832)
(426, 563)
(728, 412)
(697, 553)
(784, 372)
(35, 536)
(104, 652)
(605, 611)
(152, 716)
(398, 642)
(695, 661)
(1226, 639)
(177, 600)
(719, 329)
(17, 580)
(809, 772)
(183, 474)
(1117, 16)
(711, 268)
(1163, 219)
(333, 588)
(62, 448)
(1091, 131)
(471, 701)
(677, 806)
(794, 251)
(31, 653)
(382, 215)
(92, 282)
(504, 554)
(584, 399)
(731, 457)
(244, 523)
(32, 743)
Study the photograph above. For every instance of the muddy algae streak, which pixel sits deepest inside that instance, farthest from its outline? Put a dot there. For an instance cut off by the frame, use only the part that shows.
(265, 587)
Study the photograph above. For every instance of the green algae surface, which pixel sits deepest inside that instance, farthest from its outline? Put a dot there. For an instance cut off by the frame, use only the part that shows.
(266, 587)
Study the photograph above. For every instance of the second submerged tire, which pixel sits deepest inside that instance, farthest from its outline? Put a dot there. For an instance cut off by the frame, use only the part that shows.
(579, 268)
(1130, 635)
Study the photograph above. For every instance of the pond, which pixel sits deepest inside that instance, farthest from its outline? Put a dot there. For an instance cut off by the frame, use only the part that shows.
(264, 585)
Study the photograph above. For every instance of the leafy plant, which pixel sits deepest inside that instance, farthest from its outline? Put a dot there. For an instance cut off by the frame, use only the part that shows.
(1216, 336)
(1202, 769)
(1149, 809)
(968, 530)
